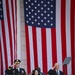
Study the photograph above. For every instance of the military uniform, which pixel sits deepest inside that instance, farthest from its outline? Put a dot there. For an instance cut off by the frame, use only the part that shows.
(15, 71)
(20, 72)
(8, 71)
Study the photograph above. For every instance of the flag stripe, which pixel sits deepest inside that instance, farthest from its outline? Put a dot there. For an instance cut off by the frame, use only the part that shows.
(72, 32)
(4, 43)
(39, 47)
(58, 33)
(68, 39)
(3, 55)
(49, 48)
(35, 46)
(44, 50)
(8, 31)
(31, 48)
(63, 33)
(12, 28)
(27, 50)
(54, 51)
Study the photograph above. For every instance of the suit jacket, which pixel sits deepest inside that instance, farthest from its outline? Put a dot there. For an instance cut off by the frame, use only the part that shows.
(53, 72)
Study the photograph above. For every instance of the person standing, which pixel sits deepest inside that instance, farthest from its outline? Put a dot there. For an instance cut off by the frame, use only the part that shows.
(17, 70)
(55, 70)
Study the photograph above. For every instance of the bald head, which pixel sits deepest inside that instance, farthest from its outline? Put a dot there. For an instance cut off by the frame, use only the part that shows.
(56, 66)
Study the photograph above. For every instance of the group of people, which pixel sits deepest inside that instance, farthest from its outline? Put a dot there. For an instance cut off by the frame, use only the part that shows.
(37, 71)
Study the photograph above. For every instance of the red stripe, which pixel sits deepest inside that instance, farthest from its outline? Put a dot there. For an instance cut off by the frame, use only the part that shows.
(54, 51)
(1, 64)
(0, 55)
(1, 61)
(72, 34)
(44, 50)
(35, 47)
(9, 30)
(4, 44)
(13, 25)
(16, 29)
(27, 49)
(63, 32)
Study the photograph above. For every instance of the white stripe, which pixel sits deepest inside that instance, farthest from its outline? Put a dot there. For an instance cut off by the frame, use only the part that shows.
(68, 35)
(11, 21)
(39, 47)
(31, 47)
(58, 32)
(2, 46)
(6, 32)
(49, 48)
(15, 24)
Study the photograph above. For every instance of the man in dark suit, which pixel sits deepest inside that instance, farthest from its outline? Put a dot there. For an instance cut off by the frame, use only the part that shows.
(17, 70)
(55, 70)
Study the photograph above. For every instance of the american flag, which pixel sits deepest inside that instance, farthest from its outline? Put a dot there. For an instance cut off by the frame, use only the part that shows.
(50, 31)
(7, 34)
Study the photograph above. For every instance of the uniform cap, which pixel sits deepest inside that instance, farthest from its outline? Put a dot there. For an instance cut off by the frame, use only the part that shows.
(17, 61)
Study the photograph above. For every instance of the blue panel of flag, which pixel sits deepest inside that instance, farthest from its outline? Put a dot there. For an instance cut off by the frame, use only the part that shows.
(40, 13)
(1, 10)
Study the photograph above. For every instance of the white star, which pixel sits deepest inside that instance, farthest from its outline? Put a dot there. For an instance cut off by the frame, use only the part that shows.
(44, 17)
(51, 18)
(48, 21)
(32, 3)
(27, 21)
(26, 2)
(48, 2)
(35, 13)
(41, 20)
(35, 20)
(41, 14)
(32, 22)
(29, 6)
(29, 18)
(45, 5)
(29, 12)
(29, 0)
(38, 11)
(35, 7)
(32, 16)
(32, 10)
(51, 24)
(48, 8)
(26, 15)
(44, 11)
(48, 14)
(35, 1)
(38, 23)
(41, 8)
(51, 5)
(41, 1)
(38, 17)
(51, 11)
(26, 8)
(44, 23)
(38, 4)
